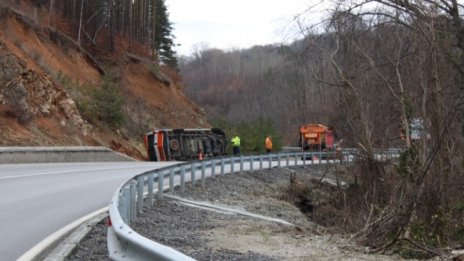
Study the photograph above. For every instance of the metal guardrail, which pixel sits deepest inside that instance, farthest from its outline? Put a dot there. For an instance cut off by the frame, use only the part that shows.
(126, 244)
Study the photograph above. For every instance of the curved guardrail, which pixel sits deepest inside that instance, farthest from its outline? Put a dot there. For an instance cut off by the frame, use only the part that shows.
(126, 244)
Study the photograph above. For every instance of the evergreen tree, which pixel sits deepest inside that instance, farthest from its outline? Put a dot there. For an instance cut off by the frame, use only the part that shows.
(164, 39)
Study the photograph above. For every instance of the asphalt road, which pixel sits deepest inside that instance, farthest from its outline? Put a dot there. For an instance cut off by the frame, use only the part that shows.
(38, 199)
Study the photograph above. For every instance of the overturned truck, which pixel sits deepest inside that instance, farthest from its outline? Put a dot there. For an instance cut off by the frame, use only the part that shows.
(184, 144)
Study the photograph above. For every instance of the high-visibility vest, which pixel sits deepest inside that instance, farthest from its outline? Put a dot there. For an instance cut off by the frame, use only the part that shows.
(268, 143)
(235, 141)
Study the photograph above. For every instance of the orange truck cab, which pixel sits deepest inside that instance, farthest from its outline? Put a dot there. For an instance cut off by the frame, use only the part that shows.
(316, 137)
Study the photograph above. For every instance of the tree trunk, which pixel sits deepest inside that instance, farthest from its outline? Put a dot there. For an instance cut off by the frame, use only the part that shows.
(80, 24)
(111, 21)
(130, 24)
(50, 14)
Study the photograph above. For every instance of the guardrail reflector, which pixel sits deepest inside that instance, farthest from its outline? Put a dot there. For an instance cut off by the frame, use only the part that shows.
(108, 222)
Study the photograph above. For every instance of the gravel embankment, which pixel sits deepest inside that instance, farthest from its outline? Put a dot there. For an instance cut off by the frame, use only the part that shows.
(214, 235)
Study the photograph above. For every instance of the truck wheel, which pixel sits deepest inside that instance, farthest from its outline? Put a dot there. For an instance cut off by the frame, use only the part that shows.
(174, 144)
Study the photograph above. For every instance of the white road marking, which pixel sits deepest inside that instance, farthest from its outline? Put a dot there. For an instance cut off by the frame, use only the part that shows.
(67, 171)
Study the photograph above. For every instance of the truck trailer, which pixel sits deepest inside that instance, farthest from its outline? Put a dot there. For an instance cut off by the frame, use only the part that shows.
(184, 144)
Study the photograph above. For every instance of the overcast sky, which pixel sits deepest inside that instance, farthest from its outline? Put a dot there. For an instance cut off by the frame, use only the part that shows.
(231, 24)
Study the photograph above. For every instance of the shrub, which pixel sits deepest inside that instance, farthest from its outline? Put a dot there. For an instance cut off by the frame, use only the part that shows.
(16, 97)
(3, 11)
(36, 56)
(109, 103)
(251, 134)
(63, 80)
(96, 103)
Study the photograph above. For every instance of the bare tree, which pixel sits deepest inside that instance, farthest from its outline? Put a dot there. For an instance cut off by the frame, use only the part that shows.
(80, 23)
(418, 26)
(50, 13)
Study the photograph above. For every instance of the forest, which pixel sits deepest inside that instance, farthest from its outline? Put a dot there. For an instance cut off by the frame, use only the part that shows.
(137, 25)
(373, 69)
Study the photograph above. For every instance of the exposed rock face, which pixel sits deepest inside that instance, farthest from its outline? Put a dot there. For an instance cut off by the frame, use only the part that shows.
(10, 66)
(27, 94)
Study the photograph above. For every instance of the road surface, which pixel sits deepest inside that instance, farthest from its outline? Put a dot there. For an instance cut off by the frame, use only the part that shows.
(38, 199)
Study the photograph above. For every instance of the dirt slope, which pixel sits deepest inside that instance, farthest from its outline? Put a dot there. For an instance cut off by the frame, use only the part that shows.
(43, 74)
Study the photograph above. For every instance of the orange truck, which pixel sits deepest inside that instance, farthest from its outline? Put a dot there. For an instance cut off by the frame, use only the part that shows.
(316, 137)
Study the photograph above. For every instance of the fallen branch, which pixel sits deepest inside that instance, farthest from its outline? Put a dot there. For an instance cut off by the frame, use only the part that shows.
(435, 252)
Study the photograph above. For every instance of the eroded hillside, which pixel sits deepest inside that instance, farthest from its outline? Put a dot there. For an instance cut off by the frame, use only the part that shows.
(45, 78)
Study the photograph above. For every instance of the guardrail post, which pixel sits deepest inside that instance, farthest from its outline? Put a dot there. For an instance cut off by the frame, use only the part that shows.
(312, 157)
(171, 180)
(287, 160)
(251, 163)
(192, 174)
(232, 162)
(160, 185)
(150, 189)
(241, 163)
(124, 204)
(203, 176)
(213, 168)
(182, 178)
(320, 157)
(296, 158)
(278, 159)
(304, 158)
(132, 206)
(140, 186)
(270, 161)
(222, 166)
(260, 162)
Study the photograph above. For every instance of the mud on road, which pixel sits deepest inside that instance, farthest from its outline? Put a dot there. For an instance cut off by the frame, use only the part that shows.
(237, 217)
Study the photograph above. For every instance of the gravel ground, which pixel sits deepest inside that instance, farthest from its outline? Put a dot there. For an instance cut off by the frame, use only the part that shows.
(216, 235)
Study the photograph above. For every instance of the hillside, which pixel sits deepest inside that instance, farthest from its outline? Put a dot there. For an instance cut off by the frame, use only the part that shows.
(46, 80)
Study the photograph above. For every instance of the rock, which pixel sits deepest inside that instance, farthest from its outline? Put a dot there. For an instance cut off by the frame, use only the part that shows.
(45, 109)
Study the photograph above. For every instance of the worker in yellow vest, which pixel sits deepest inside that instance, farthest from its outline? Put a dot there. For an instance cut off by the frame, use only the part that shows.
(235, 145)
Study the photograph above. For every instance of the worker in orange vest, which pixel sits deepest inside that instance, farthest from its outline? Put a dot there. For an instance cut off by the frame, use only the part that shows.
(268, 144)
